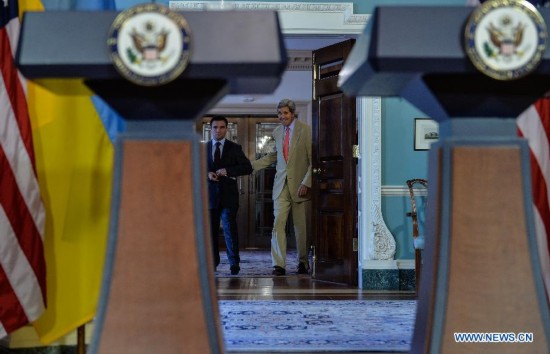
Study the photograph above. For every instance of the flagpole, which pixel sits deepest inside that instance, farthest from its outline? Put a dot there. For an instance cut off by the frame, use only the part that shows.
(81, 339)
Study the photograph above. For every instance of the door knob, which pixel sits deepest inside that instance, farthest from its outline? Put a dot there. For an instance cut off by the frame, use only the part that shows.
(317, 171)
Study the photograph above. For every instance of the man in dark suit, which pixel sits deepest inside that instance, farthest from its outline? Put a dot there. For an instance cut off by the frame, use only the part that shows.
(226, 161)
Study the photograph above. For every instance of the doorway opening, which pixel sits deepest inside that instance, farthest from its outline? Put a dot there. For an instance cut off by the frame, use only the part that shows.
(307, 27)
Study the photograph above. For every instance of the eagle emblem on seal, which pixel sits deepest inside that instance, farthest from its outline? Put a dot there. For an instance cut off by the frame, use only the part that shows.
(149, 45)
(505, 39)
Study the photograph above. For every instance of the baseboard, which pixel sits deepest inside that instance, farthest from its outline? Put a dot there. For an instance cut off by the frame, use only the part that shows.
(388, 279)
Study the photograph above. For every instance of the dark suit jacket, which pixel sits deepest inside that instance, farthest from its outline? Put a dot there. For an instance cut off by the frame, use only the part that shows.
(225, 192)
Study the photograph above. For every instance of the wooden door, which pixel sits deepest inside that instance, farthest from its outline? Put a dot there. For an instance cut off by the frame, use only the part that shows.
(260, 184)
(334, 188)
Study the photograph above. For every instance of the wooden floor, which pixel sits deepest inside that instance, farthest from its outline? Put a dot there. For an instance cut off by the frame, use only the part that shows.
(299, 287)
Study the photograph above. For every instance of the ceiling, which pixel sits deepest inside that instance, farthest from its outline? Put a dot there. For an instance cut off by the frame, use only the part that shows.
(296, 81)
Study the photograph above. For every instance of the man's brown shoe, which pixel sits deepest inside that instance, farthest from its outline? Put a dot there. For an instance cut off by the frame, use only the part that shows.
(302, 269)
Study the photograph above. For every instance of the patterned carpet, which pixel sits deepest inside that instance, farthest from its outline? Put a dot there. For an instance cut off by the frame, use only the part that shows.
(330, 326)
(256, 263)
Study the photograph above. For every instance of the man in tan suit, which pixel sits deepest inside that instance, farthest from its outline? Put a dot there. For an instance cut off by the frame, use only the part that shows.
(291, 186)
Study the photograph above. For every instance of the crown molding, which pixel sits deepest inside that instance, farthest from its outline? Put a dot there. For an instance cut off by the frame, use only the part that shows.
(295, 17)
(299, 60)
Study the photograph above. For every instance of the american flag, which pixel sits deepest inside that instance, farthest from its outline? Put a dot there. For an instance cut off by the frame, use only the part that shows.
(22, 215)
(534, 125)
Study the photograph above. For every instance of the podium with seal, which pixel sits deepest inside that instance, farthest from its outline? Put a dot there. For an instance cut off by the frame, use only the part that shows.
(161, 71)
(474, 71)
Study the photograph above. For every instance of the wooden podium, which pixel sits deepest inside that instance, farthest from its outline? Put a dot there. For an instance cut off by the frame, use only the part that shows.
(481, 271)
(158, 293)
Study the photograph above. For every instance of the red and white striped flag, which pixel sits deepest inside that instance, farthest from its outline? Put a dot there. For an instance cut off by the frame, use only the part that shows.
(22, 215)
(534, 125)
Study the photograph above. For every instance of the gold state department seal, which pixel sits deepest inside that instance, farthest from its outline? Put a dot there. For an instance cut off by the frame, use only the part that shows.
(150, 44)
(505, 39)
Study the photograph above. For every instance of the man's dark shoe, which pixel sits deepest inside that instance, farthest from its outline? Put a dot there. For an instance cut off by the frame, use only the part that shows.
(278, 271)
(302, 269)
(235, 269)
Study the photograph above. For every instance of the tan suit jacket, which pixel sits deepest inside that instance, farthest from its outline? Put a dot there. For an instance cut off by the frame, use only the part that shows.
(298, 169)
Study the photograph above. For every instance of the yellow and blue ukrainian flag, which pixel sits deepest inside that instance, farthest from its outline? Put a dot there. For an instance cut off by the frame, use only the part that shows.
(73, 137)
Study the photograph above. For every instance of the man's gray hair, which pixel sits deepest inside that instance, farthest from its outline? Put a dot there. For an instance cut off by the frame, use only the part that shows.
(288, 103)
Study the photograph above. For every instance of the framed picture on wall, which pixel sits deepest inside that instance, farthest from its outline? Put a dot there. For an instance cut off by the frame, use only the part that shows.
(426, 131)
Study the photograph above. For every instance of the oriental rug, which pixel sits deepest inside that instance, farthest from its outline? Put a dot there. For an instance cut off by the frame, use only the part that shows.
(256, 263)
(317, 325)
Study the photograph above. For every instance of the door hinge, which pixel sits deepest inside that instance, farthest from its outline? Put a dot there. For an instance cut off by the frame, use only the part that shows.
(355, 244)
(355, 149)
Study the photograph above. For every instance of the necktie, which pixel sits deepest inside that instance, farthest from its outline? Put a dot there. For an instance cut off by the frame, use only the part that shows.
(285, 143)
(217, 153)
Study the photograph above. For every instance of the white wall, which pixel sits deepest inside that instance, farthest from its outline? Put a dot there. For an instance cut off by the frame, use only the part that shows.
(295, 85)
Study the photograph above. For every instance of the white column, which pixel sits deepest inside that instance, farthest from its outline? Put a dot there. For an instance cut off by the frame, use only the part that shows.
(376, 243)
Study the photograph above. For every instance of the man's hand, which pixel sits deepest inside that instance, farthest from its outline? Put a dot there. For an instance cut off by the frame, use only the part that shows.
(302, 190)
(213, 176)
(221, 172)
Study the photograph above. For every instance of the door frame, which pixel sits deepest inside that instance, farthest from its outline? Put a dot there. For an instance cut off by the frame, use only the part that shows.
(317, 20)
(252, 190)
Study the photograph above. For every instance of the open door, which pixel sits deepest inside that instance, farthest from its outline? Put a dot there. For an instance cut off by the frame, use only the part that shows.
(334, 215)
